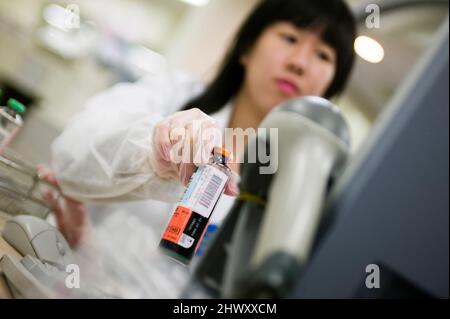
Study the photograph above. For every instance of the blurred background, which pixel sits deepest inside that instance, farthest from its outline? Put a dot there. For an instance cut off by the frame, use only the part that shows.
(54, 55)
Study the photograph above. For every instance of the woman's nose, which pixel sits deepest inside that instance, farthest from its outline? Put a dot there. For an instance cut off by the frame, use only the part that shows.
(300, 60)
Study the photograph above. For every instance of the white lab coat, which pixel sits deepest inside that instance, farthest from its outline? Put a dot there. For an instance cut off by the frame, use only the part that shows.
(102, 158)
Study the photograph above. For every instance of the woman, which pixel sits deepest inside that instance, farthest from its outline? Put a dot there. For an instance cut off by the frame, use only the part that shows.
(119, 147)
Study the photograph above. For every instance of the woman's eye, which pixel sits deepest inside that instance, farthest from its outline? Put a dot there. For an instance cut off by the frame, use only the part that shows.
(323, 56)
(289, 38)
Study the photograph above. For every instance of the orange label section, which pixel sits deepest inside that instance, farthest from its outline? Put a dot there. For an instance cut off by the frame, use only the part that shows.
(177, 224)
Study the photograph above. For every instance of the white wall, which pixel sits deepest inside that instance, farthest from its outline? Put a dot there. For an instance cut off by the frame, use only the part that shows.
(204, 35)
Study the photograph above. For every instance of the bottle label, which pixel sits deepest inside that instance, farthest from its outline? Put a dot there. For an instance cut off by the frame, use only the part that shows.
(190, 219)
(204, 190)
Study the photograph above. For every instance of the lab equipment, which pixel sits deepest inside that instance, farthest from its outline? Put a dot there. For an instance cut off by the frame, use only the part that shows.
(268, 234)
(47, 266)
(118, 267)
(31, 278)
(387, 210)
(191, 217)
(41, 272)
(21, 189)
(35, 237)
(10, 122)
(313, 145)
(390, 208)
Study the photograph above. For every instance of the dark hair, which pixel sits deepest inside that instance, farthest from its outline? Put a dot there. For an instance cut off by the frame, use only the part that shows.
(338, 30)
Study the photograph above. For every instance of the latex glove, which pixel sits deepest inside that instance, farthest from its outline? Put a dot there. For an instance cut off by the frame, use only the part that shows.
(183, 141)
(70, 214)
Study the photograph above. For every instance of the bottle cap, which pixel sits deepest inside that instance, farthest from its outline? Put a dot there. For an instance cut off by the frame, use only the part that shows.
(226, 154)
(16, 106)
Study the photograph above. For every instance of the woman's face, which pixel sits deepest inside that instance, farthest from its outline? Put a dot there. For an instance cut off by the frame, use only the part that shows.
(284, 63)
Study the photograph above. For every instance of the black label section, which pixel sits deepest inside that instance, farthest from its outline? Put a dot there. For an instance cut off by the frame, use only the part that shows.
(190, 239)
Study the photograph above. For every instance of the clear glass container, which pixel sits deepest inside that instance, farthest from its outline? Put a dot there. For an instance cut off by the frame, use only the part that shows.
(21, 189)
(10, 122)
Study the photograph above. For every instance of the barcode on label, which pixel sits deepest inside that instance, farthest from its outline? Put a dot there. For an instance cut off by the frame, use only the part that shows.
(210, 191)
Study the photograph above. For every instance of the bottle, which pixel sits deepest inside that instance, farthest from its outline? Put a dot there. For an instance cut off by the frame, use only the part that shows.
(10, 122)
(190, 219)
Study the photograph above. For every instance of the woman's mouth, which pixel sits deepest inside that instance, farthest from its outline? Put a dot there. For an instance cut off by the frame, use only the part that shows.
(287, 87)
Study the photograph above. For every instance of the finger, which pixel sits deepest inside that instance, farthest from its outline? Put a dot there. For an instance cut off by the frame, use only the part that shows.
(203, 139)
(77, 211)
(232, 186)
(178, 139)
(186, 171)
(72, 219)
(186, 165)
(197, 142)
(56, 209)
(75, 239)
(49, 199)
(177, 130)
(46, 174)
(161, 140)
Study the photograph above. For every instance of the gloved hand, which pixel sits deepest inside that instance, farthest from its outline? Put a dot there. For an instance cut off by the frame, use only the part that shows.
(183, 141)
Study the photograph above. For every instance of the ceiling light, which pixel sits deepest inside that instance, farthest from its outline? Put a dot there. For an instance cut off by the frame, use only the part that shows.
(369, 49)
(197, 3)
